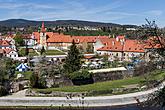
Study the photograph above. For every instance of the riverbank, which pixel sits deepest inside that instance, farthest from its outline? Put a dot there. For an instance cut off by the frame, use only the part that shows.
(98, 101)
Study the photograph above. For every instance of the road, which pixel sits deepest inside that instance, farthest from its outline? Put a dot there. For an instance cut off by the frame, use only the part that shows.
(19, 99)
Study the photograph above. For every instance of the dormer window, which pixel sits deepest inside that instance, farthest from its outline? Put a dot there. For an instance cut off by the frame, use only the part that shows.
(129, 48)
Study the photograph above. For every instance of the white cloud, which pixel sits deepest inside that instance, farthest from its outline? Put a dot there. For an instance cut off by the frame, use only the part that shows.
(155, 12)
(73, 9)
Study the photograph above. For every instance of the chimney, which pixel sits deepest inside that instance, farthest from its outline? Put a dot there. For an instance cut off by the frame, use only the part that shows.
(117, 38)
(113, 43)
(122, 42)
(78, 40)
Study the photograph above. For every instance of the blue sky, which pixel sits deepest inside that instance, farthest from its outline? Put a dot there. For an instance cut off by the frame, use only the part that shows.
(115, 11)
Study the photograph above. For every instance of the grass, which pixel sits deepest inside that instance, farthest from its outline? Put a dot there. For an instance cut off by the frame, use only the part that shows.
(33, 53)
(157, 75)
(54, 52)
(101, 88)
(26, 74)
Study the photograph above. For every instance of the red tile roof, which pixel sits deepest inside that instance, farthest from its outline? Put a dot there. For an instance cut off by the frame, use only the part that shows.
(112, 45)
(37, 36)
(155, 42)
(61, 38)
(4, 43)
(133, 46)
(127, 46)
(6, 51)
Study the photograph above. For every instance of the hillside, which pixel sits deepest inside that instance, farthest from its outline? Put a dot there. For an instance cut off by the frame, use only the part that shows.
(25, 23)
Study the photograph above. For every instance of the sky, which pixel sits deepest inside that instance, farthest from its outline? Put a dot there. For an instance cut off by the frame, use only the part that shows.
(109, 11)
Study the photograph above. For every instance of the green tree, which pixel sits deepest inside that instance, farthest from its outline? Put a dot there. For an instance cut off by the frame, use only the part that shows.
(53, 70)
(38, 78)
(42, 50)
(18, 39)
(81, 77)
(34, 80)
(73, 59)
(89, 48)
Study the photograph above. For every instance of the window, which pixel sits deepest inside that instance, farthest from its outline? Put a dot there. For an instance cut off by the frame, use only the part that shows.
(116, 54)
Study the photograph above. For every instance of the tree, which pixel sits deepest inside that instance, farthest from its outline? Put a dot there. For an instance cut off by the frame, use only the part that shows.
(18, 39)
(53, 70)
(73, 59)
(38, 78)
(89, 48)
(156, 40)
(157, 43)
(33, 80)
(42, 50)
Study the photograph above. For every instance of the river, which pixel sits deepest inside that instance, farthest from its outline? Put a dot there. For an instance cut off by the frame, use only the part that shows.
(126, 107)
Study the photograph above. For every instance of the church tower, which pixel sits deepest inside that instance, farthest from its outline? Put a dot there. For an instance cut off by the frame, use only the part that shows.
(43, 36)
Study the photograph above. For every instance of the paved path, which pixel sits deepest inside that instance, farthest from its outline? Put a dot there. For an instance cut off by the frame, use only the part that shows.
(16, 100)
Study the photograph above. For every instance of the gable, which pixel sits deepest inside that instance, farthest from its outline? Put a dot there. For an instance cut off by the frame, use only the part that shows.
(5, 43)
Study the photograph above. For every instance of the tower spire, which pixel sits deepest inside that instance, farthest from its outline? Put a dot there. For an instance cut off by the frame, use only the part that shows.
(43, 27)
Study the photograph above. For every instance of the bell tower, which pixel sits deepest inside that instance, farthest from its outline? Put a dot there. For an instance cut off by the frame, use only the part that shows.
(43, 36)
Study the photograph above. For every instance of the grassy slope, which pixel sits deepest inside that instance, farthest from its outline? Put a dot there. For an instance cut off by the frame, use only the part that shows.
(108, 85)
(26, 74)
(54, 52)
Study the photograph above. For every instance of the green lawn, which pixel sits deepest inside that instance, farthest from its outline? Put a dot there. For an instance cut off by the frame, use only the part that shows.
(33, 53)
(100, 86)
(54, 52)
(21, 52)
(26, 74)
(157, 75)
(105, 86)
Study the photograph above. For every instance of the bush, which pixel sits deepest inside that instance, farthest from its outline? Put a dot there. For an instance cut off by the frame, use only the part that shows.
(81, 77)
(34, 80)
(37, 82)
(3, 91)
(144, 68)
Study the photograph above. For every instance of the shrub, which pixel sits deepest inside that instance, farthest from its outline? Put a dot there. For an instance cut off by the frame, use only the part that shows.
(3, 91)
(34, 80)
(37, 81)
(81, 77)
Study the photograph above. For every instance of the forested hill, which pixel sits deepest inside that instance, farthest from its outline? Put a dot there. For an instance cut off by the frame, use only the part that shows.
(25, 23)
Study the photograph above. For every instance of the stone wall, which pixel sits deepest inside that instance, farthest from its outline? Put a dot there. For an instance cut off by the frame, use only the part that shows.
(113, 75)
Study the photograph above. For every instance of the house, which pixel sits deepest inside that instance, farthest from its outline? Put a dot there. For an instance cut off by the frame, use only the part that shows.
(29, 40)
(119, 48)
(4, 44)
(10, 53)
(11, 41)
(51, 40)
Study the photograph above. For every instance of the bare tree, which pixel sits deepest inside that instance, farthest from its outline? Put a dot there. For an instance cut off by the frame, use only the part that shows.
(155, 40)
